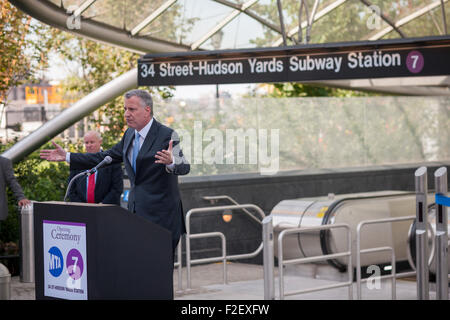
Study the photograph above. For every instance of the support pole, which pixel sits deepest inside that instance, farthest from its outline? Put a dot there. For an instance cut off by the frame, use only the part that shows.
(70, 116)
(27, 245)
(421, 234)
(440, 176)
(269, 282)
(280, 16)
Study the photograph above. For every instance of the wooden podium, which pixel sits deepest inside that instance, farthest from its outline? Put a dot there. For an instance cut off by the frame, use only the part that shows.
(95, 251)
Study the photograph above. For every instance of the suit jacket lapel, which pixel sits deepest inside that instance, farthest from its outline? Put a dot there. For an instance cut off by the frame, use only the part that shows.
(99, 178)
(149, 139)
(82, 186)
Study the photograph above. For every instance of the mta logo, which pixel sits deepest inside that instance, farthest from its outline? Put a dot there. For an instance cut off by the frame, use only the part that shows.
(56, 263)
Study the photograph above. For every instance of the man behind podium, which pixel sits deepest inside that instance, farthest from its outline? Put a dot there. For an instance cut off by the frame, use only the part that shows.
(147, 150)
(103, 186)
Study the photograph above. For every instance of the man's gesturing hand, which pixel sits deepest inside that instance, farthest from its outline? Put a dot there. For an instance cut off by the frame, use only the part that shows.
(57, 154)
(165, 156)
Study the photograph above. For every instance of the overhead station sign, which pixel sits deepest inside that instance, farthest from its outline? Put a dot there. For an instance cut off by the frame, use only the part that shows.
(355, 60)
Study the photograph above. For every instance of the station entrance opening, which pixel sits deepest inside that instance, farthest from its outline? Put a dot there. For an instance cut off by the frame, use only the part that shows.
(280, 134)
(307, 132)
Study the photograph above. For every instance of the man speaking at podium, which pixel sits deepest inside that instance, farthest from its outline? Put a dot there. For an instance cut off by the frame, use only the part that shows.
(147, 150)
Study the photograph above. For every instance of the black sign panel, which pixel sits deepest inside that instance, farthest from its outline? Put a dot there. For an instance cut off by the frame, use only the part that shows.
(356, 60)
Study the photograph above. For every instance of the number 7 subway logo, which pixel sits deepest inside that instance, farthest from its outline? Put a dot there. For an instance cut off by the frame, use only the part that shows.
(415, 61)
(75, 264)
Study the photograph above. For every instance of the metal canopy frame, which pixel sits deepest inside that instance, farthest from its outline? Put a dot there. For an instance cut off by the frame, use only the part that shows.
(251, 14)
(235, 13)
(54, 15)
(416, 14)
(336, 4)
(384, 17)
(154, 15)
(83, 7)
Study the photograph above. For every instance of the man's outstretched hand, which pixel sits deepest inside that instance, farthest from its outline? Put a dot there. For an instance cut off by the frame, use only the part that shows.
(165, 156)
(57, 154)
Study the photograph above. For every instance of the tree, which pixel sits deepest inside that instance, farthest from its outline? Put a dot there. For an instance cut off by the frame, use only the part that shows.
(14, 63)
(351, 21)
(91, 64)
(23, 53)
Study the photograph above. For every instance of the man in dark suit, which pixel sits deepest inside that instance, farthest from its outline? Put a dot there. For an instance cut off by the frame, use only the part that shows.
(103, 186)
(7, 177)
(153, 161)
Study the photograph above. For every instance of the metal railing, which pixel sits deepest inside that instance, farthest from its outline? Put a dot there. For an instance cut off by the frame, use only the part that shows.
(393, 274)
(282, 262)
(224, 257)
(214, 199)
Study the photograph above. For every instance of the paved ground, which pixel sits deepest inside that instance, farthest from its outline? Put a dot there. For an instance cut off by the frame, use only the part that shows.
(21, 291)
(201, 277)
(245, 282)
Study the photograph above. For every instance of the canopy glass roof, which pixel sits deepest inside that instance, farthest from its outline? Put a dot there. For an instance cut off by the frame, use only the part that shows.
(160, 26)
(233, 24)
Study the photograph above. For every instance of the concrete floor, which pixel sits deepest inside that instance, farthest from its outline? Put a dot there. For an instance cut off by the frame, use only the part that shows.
(245, 282)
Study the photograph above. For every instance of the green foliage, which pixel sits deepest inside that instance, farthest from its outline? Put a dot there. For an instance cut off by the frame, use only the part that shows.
(13, 62)
(93, 64)
(350, 21)
(22, 49)
(90, 65)
(40, 181)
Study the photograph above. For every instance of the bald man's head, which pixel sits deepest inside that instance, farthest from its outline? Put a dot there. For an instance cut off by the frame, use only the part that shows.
(92, 141)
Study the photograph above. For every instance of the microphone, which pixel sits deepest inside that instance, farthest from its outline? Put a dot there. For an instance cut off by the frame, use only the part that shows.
(104, 162)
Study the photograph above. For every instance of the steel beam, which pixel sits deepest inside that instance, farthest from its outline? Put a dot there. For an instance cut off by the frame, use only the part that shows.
(69, 116)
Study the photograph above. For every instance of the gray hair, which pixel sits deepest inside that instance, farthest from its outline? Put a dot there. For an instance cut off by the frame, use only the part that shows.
(95, 133)
(145, 97)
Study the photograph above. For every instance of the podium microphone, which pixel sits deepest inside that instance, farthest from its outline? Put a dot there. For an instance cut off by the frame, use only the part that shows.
(104, 162)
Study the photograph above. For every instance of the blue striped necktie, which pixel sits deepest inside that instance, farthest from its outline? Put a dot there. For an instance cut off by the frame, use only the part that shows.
(135, 150)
